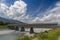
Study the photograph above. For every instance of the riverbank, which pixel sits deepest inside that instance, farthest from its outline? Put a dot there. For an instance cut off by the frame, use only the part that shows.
(6, 34)
(3, 26)
(47, 35)
(3, 32)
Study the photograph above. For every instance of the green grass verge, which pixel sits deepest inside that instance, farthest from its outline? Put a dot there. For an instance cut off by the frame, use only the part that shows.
(3, 26)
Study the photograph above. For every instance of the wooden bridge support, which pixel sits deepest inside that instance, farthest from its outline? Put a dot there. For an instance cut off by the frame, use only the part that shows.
(17, 28)
(22, 29)
(31, 30)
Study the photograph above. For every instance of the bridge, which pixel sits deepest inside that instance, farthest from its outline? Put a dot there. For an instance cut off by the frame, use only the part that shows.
(31, 26)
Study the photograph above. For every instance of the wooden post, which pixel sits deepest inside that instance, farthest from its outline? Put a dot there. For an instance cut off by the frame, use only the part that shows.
(17, 28)
(31, 30)
(22, 29)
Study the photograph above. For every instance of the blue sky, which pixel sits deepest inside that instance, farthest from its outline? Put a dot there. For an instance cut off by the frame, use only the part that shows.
(35, 9)
(39, 6)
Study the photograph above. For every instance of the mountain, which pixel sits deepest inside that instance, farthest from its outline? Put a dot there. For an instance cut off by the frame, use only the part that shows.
(10, 20)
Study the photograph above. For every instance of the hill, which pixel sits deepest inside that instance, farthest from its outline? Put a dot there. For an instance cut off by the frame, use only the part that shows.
(10, 20)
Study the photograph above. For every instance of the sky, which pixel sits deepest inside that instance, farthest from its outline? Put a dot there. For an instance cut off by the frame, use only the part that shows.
(31, 11)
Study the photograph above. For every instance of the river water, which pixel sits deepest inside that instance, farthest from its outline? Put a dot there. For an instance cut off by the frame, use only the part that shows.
(9, 36)
(38, 30)
(13, 35)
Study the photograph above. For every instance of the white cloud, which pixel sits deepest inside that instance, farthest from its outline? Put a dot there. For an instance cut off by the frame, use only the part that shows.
(18, 10)
(1, 1)
(53, 15)
(3, 10)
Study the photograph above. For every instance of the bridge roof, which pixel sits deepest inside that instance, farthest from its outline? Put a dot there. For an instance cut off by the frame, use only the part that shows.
(34, 25)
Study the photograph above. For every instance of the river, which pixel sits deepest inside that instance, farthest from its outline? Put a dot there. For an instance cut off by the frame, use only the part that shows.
(12, 35)
(5, 35)
(38, 30)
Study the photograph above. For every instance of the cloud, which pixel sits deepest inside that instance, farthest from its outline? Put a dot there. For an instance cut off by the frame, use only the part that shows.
(1, 1)
(18, 10)
(53, 15)
(3, 10)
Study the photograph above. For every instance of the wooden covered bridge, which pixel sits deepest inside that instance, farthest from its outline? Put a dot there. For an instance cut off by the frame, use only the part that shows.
(31, 26)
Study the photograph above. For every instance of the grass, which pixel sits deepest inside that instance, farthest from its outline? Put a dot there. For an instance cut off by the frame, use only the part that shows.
(47, 35)
(3, 26)
(24, 38)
